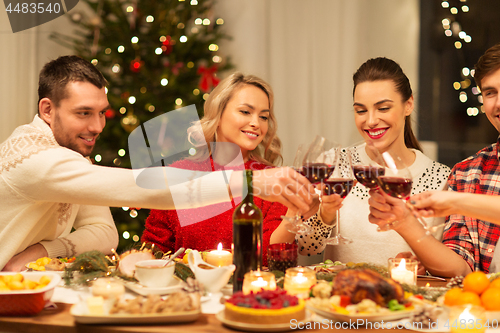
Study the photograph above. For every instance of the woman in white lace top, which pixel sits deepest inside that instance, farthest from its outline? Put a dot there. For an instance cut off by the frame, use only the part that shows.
(383, 103)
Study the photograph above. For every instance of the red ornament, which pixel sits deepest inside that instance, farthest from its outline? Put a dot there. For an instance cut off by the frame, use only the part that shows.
(110, 114)
(135, 65)
(208, 79)
(167, 45)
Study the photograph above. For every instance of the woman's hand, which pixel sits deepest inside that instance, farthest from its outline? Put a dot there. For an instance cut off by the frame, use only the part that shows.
(385, 209)
(330, 204)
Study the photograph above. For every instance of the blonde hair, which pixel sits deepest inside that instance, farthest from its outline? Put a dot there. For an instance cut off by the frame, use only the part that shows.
(268, 151)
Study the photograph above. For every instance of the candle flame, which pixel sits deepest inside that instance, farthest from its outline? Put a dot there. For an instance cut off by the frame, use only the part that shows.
(402, 265)
(219, 247)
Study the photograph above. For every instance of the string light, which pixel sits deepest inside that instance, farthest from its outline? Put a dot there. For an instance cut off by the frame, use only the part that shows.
(445, 4)
(134, 39)
(448, 33)
(465, 71)
(454, 10)
(132, 99)
(456, 85)
(198, 21)
(135, 238)
(178, 101)
(121, 152)
(206, 22)
(458, 45)
(115, 68)
(472, 111)
(463, 97)
(213, 47)
(107, 51)
(180, 25)
(126, 235)
(121, 48)
(122, 110)
(130, 9)
(465, 9)
(151, 108)
(164, 82)
(196, 92)
(98, 158)
(126, 208)
(219, 21)
(183, 39)
(94, 62)
(150, 19)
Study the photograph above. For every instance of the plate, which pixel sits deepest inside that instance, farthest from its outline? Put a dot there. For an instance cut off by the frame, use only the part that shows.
(138, 288)
(260, 327)
(81, 314)
(365, 317)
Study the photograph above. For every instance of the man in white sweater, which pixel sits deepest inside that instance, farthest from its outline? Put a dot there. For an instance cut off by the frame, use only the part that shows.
(48, 186)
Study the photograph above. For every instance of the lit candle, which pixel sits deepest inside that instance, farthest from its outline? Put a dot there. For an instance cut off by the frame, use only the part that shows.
(107, 288)
(467, 319)
(256, 281)
(219, 257)
(401, 274)
(298, 280)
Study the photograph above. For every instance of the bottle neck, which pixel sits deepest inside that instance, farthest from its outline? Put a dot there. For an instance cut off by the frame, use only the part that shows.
(248, 179)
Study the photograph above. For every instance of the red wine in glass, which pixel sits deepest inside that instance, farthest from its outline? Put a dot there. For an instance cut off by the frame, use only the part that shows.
(396, 187)
(367, 175)
(317, 172)
(340, 186)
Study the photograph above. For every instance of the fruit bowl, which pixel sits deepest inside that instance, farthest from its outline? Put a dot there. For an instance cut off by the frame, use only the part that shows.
(27, 302)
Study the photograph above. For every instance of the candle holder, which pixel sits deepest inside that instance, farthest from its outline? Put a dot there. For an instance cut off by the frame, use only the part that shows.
(298, 281)
(219, 257)
(282, 256)
(403, 270)
(255, 281)
(467, 319)
(108, 288)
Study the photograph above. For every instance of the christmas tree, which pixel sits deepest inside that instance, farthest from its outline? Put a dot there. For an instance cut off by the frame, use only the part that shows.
(157, 56)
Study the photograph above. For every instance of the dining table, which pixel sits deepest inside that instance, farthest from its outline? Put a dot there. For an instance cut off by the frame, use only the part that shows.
(58, 319)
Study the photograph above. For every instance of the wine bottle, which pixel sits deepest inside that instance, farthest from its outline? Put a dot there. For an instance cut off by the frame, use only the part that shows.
(247, 235)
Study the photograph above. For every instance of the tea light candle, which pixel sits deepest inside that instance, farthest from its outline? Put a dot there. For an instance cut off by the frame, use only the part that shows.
(298, 280)
(257, 280)
(467, 319)
(219, 257)
(400, 273)
(107, 288)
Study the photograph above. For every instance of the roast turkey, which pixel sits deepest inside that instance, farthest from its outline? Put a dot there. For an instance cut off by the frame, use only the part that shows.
(361, 284)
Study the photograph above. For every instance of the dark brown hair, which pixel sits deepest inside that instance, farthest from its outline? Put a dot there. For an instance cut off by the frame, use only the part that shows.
(487, 63)
(56, 74)
(378, 69)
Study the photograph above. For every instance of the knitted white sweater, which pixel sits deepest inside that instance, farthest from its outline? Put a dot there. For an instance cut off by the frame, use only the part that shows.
(370, 245)
(46, 190)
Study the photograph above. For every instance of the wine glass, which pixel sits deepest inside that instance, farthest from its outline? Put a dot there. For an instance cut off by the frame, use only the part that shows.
(297, 226)
(397, 182)
(367, 173)
(340, 182)
(319, 161)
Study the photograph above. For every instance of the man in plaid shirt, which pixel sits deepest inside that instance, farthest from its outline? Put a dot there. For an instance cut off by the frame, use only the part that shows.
(469, 243)
(471, 238)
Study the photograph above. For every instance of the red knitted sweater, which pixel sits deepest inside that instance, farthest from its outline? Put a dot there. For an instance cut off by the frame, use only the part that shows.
(164, 230)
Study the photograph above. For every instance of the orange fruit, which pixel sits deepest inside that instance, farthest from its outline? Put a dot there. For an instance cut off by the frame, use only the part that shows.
(468, 297)
(495, 283)
(452, 296)
(491, 299)
(476, 282)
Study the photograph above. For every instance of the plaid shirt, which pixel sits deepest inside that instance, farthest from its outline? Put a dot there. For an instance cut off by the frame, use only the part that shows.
(474, 239)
